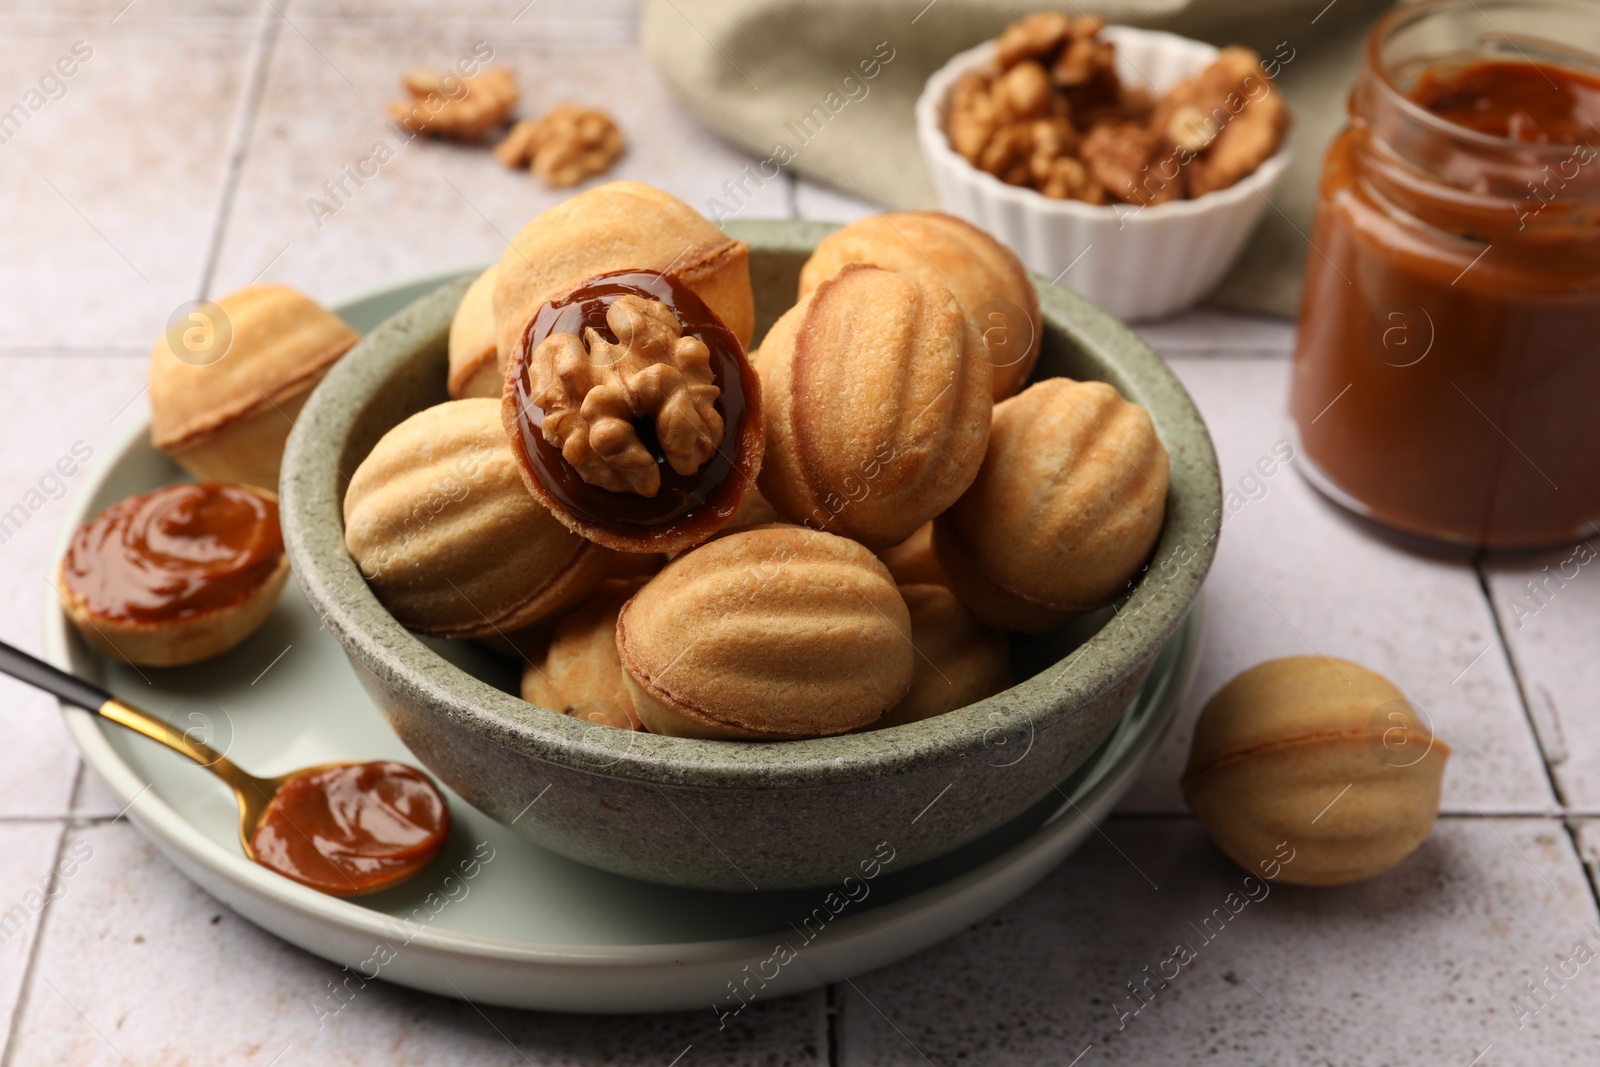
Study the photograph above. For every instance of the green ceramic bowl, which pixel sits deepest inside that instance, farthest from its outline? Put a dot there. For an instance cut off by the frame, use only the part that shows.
(728, 815)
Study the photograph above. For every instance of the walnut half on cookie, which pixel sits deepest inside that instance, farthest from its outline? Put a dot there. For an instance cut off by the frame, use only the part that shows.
(592, 390)
(634, 413)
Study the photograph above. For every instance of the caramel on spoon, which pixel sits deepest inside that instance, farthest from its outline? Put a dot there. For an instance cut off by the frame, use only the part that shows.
(344, 829)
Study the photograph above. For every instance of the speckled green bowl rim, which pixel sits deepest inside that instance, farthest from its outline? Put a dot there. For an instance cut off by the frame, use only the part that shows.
(312, 492)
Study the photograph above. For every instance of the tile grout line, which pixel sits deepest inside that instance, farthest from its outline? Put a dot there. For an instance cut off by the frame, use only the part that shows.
(239, 141)
(830, 1007)
(30, 968)
(1520, 687)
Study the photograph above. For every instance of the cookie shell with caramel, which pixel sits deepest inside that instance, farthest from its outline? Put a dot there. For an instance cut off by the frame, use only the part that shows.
(620, 226)
(579, 672)
(772, 633)
(984, 275)
(176, 575)
(445, 532)
(877, 398)
(1066, 508)
(224, 392)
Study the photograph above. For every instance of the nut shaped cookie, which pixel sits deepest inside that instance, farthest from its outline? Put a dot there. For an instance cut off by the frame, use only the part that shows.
(1320, 753)
(772, 633)
(620, 226)
(227, 382)
(959, 660)
(474, 365)
(984, 276)
(580, 673)
(1066, 508)
(446, 534)
(876, 393)
(913, 561)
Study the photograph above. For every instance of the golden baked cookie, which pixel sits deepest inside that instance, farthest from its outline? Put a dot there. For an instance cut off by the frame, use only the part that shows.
(984, 276)
(755, 512)
(475, 368)
(580, 673)
(913, 561)
(225, 388)
(614, 227)
(1066, 509)
(877, 398)
(1321, 757)
(177, 575)
(771, 633)
(959, 660)
(446, 534)
(635, 564)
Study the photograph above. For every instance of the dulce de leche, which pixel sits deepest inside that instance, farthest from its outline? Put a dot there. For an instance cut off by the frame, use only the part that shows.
(1448, 363)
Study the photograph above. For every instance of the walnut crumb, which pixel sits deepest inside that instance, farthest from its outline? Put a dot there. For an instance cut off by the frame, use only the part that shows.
(464, 109)
(591, 390)
(564, 145)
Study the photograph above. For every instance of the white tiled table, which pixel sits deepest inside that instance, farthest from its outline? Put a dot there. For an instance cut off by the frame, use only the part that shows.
(178, 164)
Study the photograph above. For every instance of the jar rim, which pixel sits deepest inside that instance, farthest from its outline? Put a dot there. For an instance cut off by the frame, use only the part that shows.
(1407, 14)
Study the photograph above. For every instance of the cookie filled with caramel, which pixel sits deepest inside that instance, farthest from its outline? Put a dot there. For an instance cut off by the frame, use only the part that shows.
(176, 575)
(634, 413)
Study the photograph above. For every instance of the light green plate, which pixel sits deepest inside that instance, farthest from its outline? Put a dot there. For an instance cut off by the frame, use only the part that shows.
(498, 919)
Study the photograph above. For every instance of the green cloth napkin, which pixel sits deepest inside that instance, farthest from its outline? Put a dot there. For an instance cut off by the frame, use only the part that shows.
(757, 71)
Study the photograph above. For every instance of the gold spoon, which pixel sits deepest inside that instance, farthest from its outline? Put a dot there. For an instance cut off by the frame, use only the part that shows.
(308, 824)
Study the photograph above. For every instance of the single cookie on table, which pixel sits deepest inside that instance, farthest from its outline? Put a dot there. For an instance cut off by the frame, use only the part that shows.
(877, 398)
(959, 660)
(615, 227)
(984, 275)
(913, 561)
(475, 367)
(1321, 756)
(449, 539)
(634, 413)
(177, 575)
(1066, 509)
(579, 672)
(767, 634)
(227, 382)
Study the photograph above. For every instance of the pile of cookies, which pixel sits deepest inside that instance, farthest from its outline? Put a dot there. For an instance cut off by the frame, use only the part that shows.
(825, 535)
(1051, 113)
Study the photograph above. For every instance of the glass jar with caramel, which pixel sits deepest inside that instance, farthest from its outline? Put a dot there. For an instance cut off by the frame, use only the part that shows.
(1447, 370)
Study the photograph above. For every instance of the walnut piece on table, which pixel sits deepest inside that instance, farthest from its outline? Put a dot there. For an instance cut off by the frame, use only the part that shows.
(591, 390)
(565, 145)
(460, 108)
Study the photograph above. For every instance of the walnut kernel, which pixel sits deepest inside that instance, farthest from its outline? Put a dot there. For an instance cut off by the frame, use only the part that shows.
(465, 109)
(591, 390)
(565, 145)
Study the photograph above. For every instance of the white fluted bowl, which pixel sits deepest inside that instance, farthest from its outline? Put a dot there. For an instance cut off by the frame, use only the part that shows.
(1136, 262)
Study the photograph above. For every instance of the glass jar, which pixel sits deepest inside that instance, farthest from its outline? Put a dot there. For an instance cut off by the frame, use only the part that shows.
(1447, 369)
